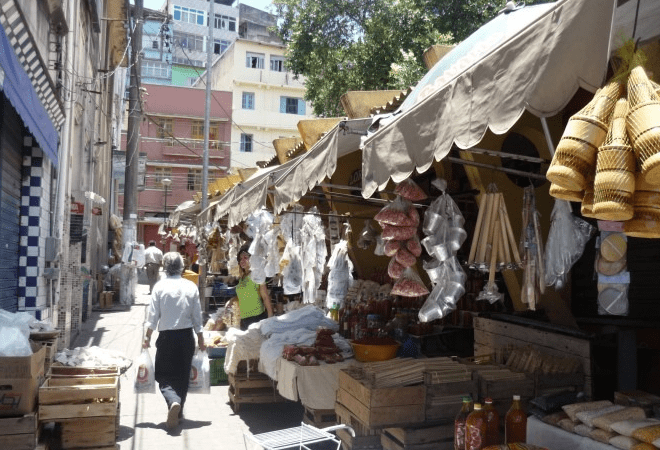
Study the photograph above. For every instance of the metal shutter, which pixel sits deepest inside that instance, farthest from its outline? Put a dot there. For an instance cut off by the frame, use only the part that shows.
(11, 143)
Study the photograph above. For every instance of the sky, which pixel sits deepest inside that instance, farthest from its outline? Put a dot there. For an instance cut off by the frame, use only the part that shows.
(260, 4)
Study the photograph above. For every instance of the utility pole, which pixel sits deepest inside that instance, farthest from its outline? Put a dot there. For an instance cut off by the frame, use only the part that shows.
(128, 272)
(205, 170)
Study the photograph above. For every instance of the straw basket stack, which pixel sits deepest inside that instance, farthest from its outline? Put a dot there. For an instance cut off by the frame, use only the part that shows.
(565, 194)
(645, 222)
(575, 156)
(587, 209)
(644, 124)
(614, 183)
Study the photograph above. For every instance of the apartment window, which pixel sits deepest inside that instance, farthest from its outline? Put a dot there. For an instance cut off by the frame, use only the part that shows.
(155, 69)
(164, 129)
(255, 60)
(224, 23)
(189, 15)
(187, 62)
(194, 179)
(248, 100)
(189, 41)
(197, 130)
(246, 142)
(159, 174)
(155, 45)
(277, 63)
(292, 105)
(220, 45)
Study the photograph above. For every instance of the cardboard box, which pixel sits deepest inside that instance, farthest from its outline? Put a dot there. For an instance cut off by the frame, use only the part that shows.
(18, 396)
(12, 367)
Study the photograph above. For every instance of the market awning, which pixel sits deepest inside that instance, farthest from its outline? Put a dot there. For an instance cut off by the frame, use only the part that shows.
(20, 91)
(289, 181)
(532, 58)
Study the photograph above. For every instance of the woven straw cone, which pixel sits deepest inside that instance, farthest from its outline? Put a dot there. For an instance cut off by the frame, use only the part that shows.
(615, 180)
(614, 210)
(564, 194)
(585, 132)
(643, 124)
(646, 199)
(588, 204)
(612, 157)
(644, 224)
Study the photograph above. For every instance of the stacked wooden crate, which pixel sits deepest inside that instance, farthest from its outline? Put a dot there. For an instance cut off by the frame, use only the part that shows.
(84, 403)
(501, 384)
(428, 437)
(251, 386)
(446, 386)
(19, 433)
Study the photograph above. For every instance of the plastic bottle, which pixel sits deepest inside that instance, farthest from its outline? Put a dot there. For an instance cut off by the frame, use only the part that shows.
(492, 423)
(475, 429)
(459, 424)
(515, 426)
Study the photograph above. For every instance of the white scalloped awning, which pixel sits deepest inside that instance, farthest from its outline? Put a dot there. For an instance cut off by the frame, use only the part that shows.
(289, 181)
(534, 58)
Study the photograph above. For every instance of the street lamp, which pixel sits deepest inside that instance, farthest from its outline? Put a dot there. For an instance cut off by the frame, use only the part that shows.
(166, 182)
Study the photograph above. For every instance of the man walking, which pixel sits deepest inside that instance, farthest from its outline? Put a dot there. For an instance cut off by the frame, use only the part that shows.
(153, 258)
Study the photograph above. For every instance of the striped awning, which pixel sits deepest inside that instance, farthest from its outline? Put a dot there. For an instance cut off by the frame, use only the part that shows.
(25, 52)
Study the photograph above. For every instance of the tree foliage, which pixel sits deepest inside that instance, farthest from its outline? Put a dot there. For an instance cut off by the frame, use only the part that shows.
(344, 45)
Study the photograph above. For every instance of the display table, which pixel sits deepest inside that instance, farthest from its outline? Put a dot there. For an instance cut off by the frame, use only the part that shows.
(554, 438)
(315, 386)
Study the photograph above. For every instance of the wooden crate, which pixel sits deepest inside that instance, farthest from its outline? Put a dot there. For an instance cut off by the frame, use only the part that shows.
(258, 388)
(88, 432)
(369, 442)
(19, 433)
(437, 437)
(67, 398)
(57, 371)
(444, 400)
(348, 418)
(320, 418)
(380, 407)
(494, 337)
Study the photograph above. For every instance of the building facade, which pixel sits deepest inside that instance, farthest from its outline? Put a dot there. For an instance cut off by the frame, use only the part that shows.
(172, 147)
(55, 155)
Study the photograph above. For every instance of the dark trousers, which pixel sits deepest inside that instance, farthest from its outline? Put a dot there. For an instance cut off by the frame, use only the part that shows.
(174, 354)
(245, 323)
(152, 274)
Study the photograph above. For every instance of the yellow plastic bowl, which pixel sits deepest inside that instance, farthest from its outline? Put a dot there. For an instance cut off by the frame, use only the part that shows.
(374, 349)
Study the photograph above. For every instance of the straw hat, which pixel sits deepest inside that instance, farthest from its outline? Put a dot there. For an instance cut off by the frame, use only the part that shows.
(564, 194)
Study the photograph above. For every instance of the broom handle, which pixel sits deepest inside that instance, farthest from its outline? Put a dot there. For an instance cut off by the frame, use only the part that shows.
(477, 228)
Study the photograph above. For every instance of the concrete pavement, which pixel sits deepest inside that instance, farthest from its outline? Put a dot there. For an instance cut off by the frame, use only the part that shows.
(209, 422)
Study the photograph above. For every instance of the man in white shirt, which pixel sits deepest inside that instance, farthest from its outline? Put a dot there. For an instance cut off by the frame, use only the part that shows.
(176, 312)
(153, 258)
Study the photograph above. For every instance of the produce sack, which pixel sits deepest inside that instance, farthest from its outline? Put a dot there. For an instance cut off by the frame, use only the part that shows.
(398, 213)
(410, 190)
(623, 442)
(293, 272)
(409, 285)
(394, 269)
(145, 376)
(398, 233)
(391, 247)
(414, 247)
(200, 374)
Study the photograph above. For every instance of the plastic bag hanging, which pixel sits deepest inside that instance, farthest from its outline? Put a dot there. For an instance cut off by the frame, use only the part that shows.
(409, 284)
(145, 376)
(410, 190)
(566, 241)
(367, 236)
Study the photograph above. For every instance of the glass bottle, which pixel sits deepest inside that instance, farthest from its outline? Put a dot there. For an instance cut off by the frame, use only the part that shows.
(492, 423)
(459, 424)
(515, 425)
(475, 429)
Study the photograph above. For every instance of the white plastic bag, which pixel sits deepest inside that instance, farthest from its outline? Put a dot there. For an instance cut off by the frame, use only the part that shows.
(292, 273)
(145, 376)
(200, 374)
(340, 277)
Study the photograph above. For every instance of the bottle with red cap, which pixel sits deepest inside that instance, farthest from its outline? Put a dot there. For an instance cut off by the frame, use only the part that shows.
(492, 423)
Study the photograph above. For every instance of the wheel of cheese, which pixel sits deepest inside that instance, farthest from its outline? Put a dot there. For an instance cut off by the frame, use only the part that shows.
(613, 247)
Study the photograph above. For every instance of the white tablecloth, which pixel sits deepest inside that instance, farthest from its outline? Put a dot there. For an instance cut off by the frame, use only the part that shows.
(555, 438)
(315, 386)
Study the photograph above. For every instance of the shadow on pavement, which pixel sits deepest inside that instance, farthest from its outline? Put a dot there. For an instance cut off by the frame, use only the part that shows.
(264, 417)
(125, 433)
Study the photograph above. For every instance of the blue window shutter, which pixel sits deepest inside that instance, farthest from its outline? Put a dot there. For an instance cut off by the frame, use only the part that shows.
(200, 19)
(177, 14)
(301, 107)
(283, 105)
